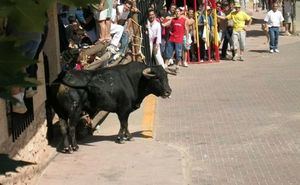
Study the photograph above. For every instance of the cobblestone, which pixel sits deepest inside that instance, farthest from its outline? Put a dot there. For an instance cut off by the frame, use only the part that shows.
(238, 120)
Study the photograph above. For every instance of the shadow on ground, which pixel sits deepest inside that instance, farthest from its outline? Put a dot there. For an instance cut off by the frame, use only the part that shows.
(85, 136)
(256, 33)
(112, 138)
(259, 51)
(10, 165)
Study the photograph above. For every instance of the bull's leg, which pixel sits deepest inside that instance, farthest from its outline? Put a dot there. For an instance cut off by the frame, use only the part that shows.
(127, 135)
(123, 118)
(74, 119)
(64, 132)
(120, 137)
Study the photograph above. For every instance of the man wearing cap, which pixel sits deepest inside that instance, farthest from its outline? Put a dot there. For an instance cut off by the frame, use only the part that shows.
(239, 19)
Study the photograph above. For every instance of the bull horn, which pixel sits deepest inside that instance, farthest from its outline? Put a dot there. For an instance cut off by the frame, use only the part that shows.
(168, 71)
(147, 73)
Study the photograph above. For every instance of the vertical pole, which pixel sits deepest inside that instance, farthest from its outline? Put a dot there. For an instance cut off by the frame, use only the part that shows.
(187, 52)
(294, 28)
(197, 29)
(207, 33)
(216, 35)
(137, 32)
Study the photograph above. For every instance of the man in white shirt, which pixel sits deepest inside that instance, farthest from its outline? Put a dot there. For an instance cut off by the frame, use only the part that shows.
(123, 12)
(154, 30)
(116, 30)
(274, 20)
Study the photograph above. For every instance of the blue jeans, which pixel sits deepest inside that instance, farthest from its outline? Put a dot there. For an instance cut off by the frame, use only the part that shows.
(170, 49)
(124, 42)
(274, 33)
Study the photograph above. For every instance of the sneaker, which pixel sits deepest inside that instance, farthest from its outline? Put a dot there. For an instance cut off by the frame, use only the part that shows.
(287, 33)
(29, 93)
(276, 50)
(241, 58)
(113, 49)
(185, 64)
(19, 107)
(116, 56)
(271, 51)
(201, 61)
(234, 58)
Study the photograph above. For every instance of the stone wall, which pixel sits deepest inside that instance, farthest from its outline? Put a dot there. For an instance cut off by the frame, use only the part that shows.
(3, 123)
(32, 145)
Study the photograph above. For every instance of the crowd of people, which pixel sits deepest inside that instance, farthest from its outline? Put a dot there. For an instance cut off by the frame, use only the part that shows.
(173, 32)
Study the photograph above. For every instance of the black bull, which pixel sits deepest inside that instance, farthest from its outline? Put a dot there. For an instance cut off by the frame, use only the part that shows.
(120, 89)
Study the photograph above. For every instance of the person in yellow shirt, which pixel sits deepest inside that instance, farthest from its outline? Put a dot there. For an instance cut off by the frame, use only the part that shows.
(239, 19)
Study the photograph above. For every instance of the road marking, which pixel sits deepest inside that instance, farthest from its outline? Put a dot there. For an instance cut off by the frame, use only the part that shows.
(149, 113)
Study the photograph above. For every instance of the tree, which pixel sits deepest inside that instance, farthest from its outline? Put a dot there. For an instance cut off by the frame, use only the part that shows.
(26, 16)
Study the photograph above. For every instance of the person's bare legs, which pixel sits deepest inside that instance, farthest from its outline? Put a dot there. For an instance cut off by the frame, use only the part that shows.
(287, 28)
(185, 57)
(102, 31)
(108, 25)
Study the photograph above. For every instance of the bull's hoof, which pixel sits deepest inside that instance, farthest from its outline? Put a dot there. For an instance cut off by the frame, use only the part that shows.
(75, 148)
(120, 140)
(66, 150)
(128, 138)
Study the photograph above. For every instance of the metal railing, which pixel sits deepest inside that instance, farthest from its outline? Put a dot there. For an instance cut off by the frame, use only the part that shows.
(17, 123)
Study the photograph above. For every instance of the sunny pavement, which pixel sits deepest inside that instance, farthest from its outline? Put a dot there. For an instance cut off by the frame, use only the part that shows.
(238, 122)
(228, 123)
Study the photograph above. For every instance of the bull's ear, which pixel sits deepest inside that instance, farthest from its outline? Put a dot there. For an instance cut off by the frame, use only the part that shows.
(147, 73)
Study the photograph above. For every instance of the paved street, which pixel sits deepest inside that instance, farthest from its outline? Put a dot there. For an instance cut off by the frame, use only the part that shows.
(238, 121)
(229, 123)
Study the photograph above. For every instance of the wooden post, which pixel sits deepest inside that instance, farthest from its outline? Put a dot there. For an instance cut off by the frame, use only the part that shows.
(52, 47)
(137, 41)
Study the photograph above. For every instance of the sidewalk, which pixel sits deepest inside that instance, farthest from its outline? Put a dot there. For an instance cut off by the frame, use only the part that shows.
(101, 161)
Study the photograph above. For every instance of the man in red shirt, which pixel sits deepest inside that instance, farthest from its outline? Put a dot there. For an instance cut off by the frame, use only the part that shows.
(179, 28)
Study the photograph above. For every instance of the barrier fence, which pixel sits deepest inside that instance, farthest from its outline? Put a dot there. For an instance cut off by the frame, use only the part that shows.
(17, 123)
(210, 45)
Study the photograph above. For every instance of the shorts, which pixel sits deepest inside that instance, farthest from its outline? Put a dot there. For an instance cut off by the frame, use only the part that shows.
(171, 46)
(287, 17)
(239, 40)
(187, 42)
(106, 13)
(102, 16)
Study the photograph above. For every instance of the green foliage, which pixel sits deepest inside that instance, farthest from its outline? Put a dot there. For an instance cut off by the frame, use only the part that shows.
(25, 16)
(77, 3)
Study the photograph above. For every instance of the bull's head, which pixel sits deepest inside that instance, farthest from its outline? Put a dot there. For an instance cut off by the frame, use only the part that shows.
(158, 82)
